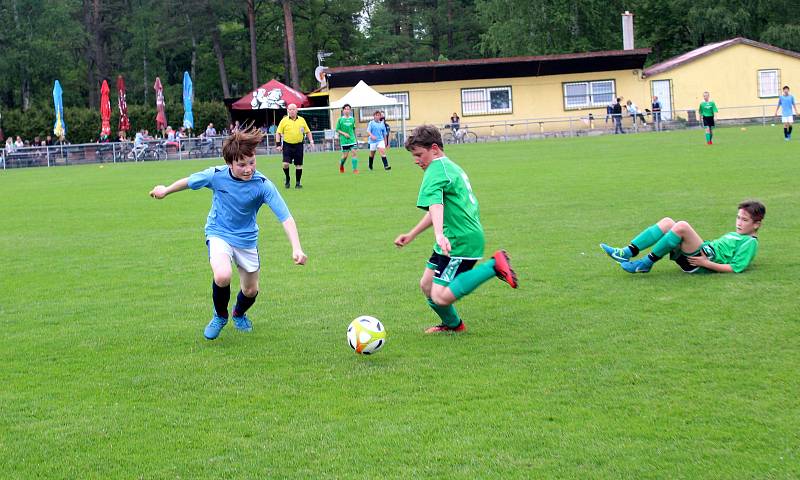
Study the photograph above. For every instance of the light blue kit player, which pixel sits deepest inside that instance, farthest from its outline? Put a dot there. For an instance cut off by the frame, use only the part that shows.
(788, 108)
(377, 140)
(231, 230)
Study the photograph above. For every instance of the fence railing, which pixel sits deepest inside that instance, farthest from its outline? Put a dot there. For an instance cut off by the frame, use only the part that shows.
(327, 140)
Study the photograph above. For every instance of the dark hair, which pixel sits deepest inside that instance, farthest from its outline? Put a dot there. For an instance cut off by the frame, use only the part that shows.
(756, 209)
(786, 87)
(241, 144)
(346, 105)
(424, 136)
(377, 112)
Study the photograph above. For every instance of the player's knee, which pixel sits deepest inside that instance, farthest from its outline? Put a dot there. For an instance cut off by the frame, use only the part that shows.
(666, 224)
(425, 287)
(250, 291)
(439, 298)
(681, 227)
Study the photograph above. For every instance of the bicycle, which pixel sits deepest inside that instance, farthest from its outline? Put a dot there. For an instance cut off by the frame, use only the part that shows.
(462, 135)
(148, 151)
(205, 149)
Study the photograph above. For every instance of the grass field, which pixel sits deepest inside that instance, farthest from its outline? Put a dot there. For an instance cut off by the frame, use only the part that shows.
(584, 372)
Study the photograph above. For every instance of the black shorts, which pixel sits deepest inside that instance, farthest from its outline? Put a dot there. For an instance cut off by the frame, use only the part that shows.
(293, 153)
(682, 258)
(445, 269)
(708, 121)
(347, 148)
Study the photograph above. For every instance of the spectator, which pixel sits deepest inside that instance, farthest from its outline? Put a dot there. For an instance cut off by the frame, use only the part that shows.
(455, 122)
(49, 140)
(10, 147)
(633, 111)
(19, 143)
(210, 130)
(656, 106)
(616, 112)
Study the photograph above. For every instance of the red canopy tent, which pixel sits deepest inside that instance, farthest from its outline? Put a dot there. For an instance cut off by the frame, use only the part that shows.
(272, 95)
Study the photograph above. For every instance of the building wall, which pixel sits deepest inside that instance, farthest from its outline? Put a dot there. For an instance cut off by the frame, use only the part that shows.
(540, 98)
(731, 77)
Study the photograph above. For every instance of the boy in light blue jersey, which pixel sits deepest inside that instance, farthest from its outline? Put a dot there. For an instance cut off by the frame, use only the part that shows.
(377, 140)
(231, 230)
(788, 109)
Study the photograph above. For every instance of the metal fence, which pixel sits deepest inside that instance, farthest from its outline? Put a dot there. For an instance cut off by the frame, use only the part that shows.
(327, 140)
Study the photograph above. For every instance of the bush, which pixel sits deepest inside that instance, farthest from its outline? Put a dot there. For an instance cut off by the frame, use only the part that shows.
(83, 124)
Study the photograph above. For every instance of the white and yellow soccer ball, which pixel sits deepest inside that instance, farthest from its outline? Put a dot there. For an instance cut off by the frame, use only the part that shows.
(366, 335)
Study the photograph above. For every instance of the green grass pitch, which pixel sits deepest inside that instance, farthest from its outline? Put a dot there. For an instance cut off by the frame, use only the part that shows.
(584, 372)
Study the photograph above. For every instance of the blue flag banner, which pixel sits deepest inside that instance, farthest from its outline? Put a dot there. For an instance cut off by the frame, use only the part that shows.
(60, 127)
(188, 95)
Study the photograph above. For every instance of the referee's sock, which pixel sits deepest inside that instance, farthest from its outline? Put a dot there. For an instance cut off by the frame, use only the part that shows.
(286, 173)
(298, 172)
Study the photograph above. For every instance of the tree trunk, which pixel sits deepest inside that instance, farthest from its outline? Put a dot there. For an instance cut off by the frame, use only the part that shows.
(91, 58)
(251, 20)
(223, 75)
(291, 47)
(193, 35)
(450, 41)
(144, 77)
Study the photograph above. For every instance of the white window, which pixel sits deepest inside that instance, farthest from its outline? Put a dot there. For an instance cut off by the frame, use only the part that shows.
(769, 83)
(486, 101)
(588, 94)
(365, 114)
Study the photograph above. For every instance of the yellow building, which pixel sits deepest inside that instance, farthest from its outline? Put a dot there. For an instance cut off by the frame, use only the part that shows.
(569, 93)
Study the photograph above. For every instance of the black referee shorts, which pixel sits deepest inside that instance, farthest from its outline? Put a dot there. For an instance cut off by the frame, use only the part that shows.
(293, 153)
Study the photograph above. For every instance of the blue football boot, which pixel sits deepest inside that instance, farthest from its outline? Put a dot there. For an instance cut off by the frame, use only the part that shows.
(214, 327)
(643, 265)
(618, 254)
(243, 323)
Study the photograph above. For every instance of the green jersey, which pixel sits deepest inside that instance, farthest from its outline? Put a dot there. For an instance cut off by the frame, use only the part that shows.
(447, 184)
(735, 249)
(708, 109)
(347, 125)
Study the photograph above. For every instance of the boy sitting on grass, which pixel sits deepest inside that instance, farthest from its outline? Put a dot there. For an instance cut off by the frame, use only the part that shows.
(732, 252)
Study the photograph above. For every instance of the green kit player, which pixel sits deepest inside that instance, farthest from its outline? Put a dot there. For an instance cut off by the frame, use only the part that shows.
(707, 110)
(346, 128)
(452, 209)
(732, 252)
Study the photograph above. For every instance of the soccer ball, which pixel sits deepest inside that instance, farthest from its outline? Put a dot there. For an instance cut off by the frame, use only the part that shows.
(366, 335)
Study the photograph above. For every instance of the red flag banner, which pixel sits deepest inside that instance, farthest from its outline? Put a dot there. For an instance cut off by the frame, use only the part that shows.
(124, 122)
(161, 116)
(105, 110)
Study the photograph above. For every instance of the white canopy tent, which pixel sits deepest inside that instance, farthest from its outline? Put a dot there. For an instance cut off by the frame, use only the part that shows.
(362, 95)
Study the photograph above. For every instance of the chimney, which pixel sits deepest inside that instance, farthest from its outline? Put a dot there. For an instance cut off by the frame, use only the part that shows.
(627, 30)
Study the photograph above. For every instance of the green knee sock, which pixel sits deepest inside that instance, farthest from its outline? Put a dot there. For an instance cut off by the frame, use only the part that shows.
(341, 162)
(466, 282)
(668, 242)
(354, 161)
(448, 314)
(648, 237)
(708, 137)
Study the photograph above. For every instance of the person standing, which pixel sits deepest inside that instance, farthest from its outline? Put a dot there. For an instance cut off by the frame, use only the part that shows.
(707, 110)
(377, 140)
(616, 112)
(346, 128)
(786, 103)
(656, 108)
(289, 139)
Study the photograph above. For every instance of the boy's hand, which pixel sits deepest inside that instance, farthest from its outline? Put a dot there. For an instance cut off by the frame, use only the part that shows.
(700, 260)
(403, 240)
(159, 192)
(372, 137)
(444, 244)
(299, 257)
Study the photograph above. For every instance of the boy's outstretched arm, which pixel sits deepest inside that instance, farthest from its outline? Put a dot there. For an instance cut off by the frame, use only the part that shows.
(294, 239)
(703, 261)
(160, 191)
(406, 238)
(437, 219)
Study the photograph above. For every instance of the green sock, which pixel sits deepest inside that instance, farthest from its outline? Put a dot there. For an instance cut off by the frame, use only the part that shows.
(708, 137)
(465, 283)
(341, 162)
(354, 161)
(648, 237)
(668, 242)
(447, 314)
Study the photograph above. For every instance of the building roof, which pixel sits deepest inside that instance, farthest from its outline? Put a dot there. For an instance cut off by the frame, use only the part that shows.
(709, 49)
(442, 71)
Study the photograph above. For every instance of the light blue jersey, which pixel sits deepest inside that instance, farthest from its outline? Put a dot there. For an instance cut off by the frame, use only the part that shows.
(235, 204)
(786, 103)
(378, 129)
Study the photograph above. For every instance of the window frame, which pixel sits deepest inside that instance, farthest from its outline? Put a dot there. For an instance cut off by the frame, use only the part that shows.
(590, 103)
(777, 72)
(488, 91)
(389, 118)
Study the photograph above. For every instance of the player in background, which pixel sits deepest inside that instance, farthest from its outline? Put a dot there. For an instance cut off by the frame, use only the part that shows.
(732, 252)
(788, 109)
(238, 191)
(707, 110)
(451, 208)
(346, 128)
(377, 140)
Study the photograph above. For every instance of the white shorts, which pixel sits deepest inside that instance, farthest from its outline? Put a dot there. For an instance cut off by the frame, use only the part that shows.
(377, 145)
(788, 119)
(245, 258)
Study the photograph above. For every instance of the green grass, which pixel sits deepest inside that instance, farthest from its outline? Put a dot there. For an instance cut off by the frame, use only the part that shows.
(584, 372)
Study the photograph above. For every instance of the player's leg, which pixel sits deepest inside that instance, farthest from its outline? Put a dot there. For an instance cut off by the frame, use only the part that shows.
(372, 147)
(245, 299)
(219, 257)
(354, 158)
(382, 149)
(345, 153)
(467, 279)
(680, 235)
(645, 239)
(447, 312)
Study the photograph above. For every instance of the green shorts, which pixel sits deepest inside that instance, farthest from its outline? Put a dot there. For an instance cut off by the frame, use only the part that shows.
(445, 269)
(682, 258)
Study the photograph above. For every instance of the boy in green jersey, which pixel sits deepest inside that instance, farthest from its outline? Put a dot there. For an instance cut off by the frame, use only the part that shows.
(346, 128)
(707, 110)
(732, 252)
(452, 210)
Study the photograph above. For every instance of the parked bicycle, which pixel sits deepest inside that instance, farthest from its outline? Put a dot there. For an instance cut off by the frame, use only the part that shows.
(462, 135)
(205, 149)
(148, 151)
